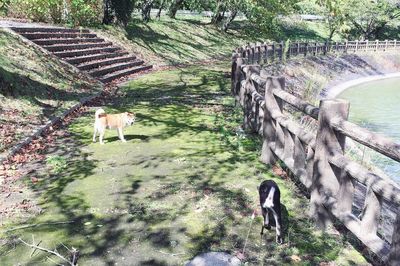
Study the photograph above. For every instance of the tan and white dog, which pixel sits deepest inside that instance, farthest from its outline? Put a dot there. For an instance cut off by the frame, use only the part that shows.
(111, 121)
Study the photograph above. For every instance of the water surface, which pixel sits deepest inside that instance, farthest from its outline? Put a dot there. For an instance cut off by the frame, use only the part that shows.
(376, 106)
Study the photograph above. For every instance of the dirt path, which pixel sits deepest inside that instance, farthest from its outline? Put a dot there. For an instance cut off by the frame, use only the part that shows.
(5, 23)
(184, 183)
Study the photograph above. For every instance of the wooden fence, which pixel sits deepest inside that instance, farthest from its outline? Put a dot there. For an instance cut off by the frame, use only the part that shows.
(264, 53)
(318, 159)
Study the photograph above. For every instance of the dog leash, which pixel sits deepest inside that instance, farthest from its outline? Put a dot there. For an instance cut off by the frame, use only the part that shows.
(253, 215)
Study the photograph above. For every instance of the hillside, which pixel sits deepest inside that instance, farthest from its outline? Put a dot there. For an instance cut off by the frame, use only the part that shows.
(185, 40)
(34, 88)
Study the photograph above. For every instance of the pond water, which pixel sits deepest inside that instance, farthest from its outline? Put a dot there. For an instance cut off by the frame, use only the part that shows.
(376, 106)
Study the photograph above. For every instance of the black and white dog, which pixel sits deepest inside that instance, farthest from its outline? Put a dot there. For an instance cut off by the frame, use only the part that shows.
(270, 202)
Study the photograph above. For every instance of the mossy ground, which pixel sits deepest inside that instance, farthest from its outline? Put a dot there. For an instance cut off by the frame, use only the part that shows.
(184, 183)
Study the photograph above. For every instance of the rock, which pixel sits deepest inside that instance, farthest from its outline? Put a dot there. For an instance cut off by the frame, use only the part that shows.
(214, 259)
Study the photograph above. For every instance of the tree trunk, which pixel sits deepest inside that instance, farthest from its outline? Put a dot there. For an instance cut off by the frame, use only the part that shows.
(331, 32)
(108, 15)
(146, 9)
(229, 20)
(217, 18)
(160, 9)
(176, 4)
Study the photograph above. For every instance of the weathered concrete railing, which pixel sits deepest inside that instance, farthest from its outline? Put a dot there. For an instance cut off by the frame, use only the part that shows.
(264, 53)
(318, 160)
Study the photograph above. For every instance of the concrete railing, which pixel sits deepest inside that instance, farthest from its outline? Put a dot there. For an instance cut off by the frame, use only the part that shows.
(318, 159)
(264, 53)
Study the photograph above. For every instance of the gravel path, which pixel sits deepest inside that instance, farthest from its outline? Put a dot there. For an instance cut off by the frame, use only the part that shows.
(21, 24)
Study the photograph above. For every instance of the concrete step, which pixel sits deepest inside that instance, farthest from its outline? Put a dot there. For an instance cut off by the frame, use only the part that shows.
(67, 41)
(86, 51)
(43, 29)
(50, 35)
(94, 57)
(114, 68)
(115, 75)
(74, 53)
(69, 47)
(105, 62)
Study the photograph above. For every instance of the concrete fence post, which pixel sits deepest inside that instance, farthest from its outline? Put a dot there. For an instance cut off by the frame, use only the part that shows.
(305, 49)
(247, 99)
(326, 47)
(315, 52)
(366, 45)
(236, 74)
(272, 105)
(266, 54)
(386, 45)
(281, 50)
(394, 255)
(377, 45)
(273, 52)
(325, 185)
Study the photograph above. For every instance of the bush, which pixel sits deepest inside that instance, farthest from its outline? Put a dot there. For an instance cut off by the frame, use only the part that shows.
(4, 7)
(76, 12)
(86, 12)
(36, 10)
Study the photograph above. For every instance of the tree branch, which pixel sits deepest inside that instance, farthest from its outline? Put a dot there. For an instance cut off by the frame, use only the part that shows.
(55, 253)
(34, 225)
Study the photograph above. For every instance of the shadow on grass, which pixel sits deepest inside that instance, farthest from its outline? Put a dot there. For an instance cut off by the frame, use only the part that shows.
(185, 40)
(127, 138)
(189, 185)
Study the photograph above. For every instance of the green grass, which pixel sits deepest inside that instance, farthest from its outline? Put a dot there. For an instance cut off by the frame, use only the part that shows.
(184, 183)
(297, 30)
(190, 39)
(184, 40)
(34, 87)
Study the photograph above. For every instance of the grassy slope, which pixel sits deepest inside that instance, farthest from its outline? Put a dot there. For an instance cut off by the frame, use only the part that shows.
(185, 40)
(192, 38)
(33, 88)
(184, 183)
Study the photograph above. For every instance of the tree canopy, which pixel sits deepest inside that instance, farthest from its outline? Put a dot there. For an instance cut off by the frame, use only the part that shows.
(365, 19)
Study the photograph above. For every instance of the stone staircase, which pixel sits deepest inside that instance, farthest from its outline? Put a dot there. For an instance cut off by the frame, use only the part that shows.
(85, 50)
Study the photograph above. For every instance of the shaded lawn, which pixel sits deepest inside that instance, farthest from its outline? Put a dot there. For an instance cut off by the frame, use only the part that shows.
(182, 40)
(34, 88)
(191, 39)
(184, 183)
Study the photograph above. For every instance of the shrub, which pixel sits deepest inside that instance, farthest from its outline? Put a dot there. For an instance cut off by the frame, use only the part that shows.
(76, 12)
(86, 12)
(36, 10)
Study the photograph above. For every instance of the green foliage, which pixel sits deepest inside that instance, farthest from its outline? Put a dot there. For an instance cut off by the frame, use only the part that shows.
(4, 5)
(369, 18)
(336, 12)
(76, 12)
(85, 12)
(308, 7)
(364, 19)
(264, 14)
(122, 9)
(56, 163)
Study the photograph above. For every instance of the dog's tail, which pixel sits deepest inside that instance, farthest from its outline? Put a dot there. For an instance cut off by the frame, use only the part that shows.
(98, 113)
